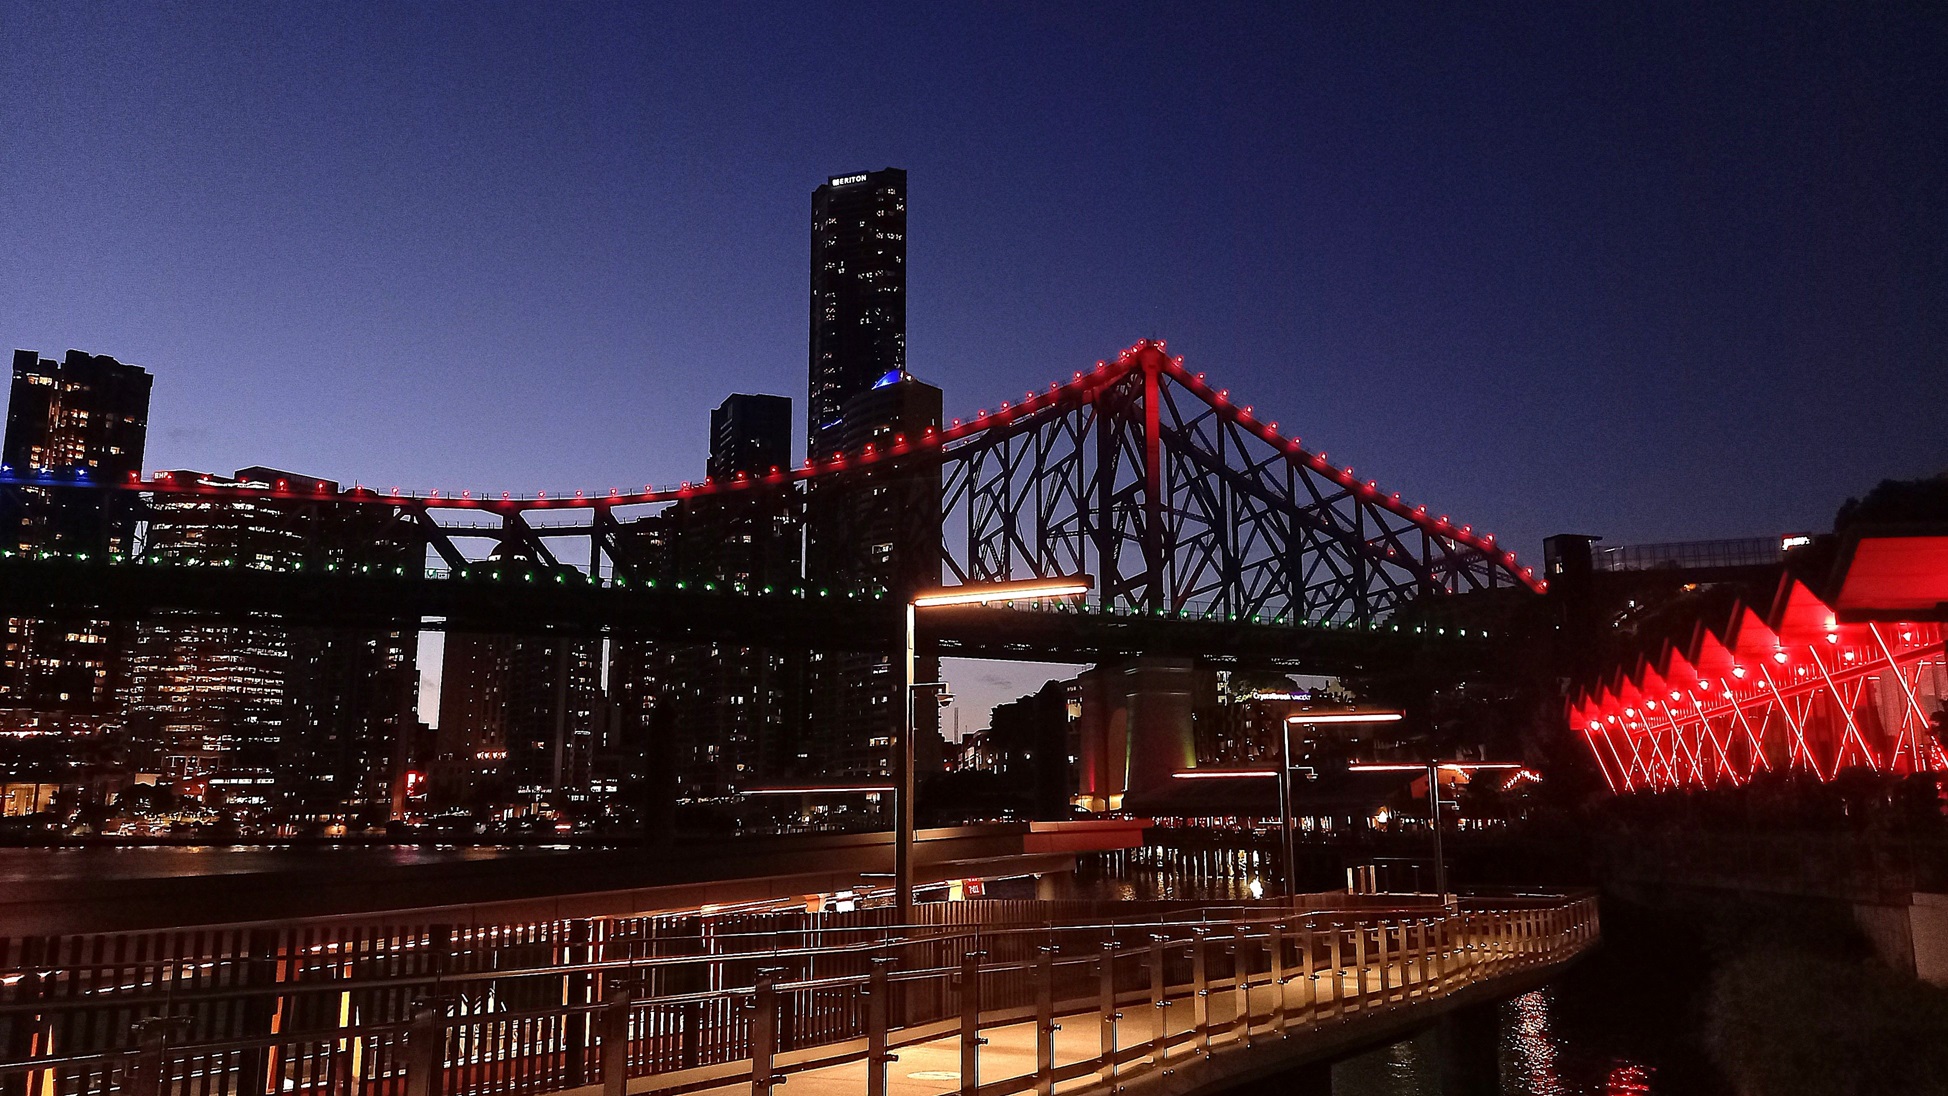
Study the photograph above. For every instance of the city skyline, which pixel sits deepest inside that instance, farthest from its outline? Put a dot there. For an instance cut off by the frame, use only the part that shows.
(1533, 318)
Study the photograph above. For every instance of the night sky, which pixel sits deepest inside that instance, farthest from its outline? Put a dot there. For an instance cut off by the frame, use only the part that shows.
(1654, 274)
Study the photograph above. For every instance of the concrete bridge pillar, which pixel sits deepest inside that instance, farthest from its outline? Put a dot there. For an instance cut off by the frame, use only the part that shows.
(1135, 726)
(1469, 1051)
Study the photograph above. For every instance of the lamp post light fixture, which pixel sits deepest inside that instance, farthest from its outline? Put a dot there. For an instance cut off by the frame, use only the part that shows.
(984, 593)
(1287, 847)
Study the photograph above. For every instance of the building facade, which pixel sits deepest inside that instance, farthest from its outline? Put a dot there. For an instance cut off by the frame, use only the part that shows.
(749, 435)
(518, 722)
(316, 723)
(725, 717)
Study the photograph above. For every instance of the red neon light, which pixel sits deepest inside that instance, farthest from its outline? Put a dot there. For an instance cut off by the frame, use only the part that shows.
(1713, 712)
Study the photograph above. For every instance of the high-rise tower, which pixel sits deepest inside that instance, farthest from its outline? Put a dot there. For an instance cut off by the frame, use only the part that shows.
(858, 295)
(80, 420)
(84, 418)
(749, 434)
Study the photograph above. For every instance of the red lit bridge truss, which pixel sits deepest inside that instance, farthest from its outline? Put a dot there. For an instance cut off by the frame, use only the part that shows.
(1795, 689)
(1138, 472)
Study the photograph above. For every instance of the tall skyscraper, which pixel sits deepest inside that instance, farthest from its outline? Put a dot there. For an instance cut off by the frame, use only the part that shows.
(82, 419)
(749, 434)
(858, 295)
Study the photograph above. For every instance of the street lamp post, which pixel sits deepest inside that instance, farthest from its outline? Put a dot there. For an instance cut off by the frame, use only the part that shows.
(1287, 844)
(1434, 819)
(1434, 768)
(1033, 589)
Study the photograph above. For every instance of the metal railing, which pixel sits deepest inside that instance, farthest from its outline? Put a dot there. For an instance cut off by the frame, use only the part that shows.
(618, 1005)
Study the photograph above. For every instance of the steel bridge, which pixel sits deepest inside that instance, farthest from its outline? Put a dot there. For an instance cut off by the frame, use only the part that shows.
(979, 998)
(1188, 507)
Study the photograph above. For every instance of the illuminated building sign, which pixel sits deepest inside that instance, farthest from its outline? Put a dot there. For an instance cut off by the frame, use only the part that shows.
(848, 180)
(1787, 544)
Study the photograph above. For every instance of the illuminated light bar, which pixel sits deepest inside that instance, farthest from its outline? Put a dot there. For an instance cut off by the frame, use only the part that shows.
(819, 789)
(1410, 767)
(1348, 717)
(1225, 774)
(1023, 590)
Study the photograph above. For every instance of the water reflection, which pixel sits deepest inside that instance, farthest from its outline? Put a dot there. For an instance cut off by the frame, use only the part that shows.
(1538, 1058)
(1602, 1029)
(1535, 1050)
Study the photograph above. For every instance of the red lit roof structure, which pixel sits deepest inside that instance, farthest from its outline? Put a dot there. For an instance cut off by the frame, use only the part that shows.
(1808, 683)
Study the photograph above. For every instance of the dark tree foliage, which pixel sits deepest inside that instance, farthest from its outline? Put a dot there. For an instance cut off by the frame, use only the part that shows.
(1897, 502)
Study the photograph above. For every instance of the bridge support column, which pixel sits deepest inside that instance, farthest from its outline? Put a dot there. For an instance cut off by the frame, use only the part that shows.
(1469, 1054)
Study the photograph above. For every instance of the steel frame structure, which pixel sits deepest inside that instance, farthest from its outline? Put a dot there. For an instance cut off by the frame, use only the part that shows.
(1175, 497)
(1796, 690)
(1179, 500)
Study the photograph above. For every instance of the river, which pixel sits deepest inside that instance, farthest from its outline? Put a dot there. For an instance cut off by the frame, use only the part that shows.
(1625, 1021)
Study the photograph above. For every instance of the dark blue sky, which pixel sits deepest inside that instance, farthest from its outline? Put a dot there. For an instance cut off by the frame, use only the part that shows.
(1653, 274)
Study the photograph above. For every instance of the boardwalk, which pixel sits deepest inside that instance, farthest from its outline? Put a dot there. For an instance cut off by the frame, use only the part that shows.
(984, 998)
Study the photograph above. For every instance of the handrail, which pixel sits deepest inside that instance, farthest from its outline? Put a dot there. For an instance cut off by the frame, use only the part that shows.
(608, 1029)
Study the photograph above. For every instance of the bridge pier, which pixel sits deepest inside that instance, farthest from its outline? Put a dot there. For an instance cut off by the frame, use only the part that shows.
(1468, 1054)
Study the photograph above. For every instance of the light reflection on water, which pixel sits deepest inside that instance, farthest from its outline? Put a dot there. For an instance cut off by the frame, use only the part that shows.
(1596, 1031)
(1536, 1060)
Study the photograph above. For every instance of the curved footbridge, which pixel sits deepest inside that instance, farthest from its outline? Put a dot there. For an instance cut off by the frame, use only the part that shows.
(981, 998)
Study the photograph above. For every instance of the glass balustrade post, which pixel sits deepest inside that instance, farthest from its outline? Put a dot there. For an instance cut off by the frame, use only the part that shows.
(1359, 965)
(1159, 1002)
(879, 994)
(615, 1043)
(1106, 1004)
(1279, 931)
(1045, 1025)
(764, 1032)
(1241, 984)
(970, 1023)
(1200, 1002)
